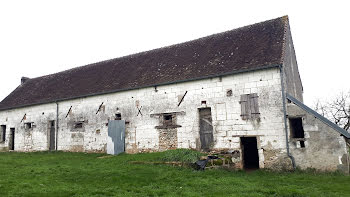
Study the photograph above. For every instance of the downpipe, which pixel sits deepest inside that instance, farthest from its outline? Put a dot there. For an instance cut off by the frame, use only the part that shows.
(56, 126)
(285, 118)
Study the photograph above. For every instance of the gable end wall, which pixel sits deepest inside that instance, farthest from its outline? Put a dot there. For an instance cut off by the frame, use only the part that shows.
(293, 82)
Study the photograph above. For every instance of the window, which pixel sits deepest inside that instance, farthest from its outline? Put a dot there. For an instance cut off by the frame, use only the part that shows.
(28, 125)
(52, 123)
(167, 119)
(78, 125)
(229, 92)
(297, 131)
(249, 106)
(118, 116)
(2, 133)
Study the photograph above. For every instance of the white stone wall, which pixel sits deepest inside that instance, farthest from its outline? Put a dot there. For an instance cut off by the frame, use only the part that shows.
(325, 149)
(31, 139)
(141, 132)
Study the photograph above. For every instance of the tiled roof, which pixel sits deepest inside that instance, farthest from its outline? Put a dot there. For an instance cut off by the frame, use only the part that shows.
(251, 47)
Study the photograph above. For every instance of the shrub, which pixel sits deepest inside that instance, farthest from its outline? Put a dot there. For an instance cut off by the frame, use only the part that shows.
(181, 155)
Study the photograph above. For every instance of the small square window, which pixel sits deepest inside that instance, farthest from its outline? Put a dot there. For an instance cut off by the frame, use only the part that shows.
(78, 125)
(118, 116)
(28, 125)
(229, 92)
(167, 119)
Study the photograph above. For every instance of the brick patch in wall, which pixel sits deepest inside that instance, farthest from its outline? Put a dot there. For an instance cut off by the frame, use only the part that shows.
(167, 139)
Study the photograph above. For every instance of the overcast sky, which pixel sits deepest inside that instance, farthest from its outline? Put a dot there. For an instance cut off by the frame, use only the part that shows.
(43, 37)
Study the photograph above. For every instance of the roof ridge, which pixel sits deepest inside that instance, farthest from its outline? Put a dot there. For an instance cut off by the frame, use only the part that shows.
(170, 46)
(241, 49)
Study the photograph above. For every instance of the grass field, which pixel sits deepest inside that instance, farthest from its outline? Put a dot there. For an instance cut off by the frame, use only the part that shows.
(79, 174)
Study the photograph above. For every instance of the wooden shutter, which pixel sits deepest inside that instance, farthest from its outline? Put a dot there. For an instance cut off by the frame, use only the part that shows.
(254, 105)
(245, 108)
(249, 106)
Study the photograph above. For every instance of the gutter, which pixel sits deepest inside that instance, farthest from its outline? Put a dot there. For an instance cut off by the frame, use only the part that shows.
(285, 118)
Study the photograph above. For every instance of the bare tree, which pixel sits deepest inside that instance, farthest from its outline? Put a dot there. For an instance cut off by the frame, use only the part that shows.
(320, 107)
(336, 110)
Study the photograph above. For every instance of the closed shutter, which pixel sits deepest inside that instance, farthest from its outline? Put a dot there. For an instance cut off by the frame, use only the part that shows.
(245, 108)
(249, 106)
(254, 105)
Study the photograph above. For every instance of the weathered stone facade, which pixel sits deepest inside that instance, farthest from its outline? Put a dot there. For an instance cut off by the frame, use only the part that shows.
(142, 134)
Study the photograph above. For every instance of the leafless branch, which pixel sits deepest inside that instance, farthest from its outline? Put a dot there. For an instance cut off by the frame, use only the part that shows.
(337, 110)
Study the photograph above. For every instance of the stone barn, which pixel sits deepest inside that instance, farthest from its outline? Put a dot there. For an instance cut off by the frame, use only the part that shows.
(237, 92)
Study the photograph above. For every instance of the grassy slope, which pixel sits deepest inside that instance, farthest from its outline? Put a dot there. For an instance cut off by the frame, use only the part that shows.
(79, 174)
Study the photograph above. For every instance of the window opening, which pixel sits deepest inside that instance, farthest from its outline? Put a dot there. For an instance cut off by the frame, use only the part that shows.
(118, 116)
(52, 123)
(78, 125)
(28, 125)
(167, 119)
(229, 92)
(296, 127)
(297, 130)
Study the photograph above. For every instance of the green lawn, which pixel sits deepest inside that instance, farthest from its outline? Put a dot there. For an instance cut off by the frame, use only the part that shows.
(79, 174)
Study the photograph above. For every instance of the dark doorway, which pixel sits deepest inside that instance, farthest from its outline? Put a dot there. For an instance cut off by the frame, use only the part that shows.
(52, 135)
(12, 139)
(205, 128)
(250, 153)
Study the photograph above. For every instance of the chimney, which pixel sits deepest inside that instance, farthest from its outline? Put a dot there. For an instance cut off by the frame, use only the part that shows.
(24, 79)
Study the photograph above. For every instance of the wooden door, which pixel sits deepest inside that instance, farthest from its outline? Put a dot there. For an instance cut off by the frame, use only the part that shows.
(205, 128)
(52, 135)
(12, 139)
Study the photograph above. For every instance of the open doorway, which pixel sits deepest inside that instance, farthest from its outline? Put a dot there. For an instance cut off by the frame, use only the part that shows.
(12, 139)
(250, 153)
